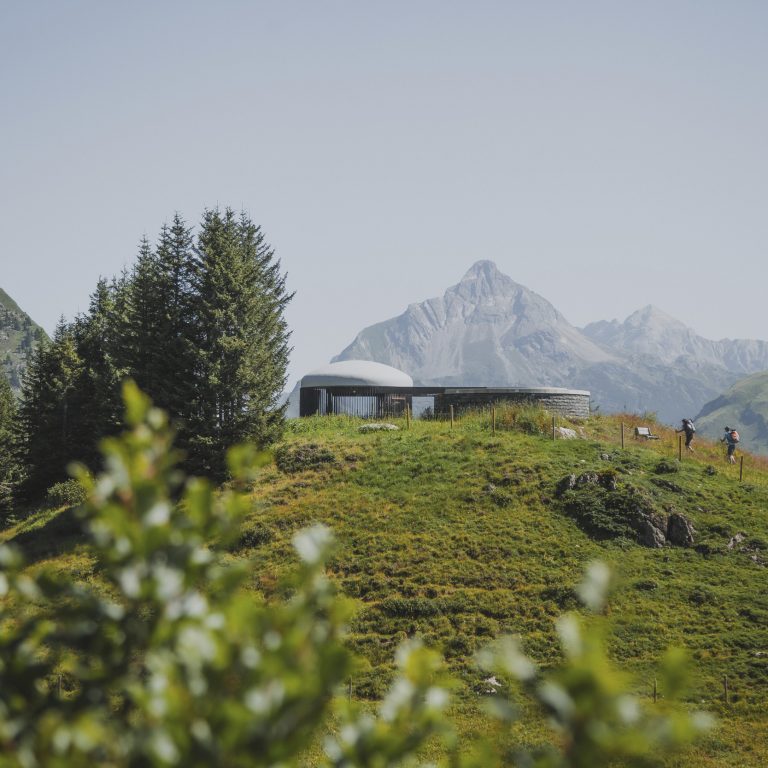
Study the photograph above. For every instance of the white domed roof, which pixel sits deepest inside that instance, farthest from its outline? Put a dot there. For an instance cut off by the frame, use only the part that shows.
(356, 373)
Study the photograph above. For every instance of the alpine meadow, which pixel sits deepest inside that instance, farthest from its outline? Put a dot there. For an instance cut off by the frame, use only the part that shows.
(383, 385)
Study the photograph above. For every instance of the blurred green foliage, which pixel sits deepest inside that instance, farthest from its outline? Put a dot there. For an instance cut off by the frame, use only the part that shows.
(172, 661)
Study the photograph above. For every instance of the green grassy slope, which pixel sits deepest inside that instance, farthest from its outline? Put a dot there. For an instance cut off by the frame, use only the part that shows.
(457, 535)
(744, 407)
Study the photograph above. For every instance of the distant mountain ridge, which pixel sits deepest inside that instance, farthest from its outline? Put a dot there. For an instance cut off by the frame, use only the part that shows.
(489, 330)
(18, 335)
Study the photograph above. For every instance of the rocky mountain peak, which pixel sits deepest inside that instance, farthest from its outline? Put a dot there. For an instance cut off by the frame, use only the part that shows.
(653, 318)
(483, 270)
(488, 330)
(484, 280)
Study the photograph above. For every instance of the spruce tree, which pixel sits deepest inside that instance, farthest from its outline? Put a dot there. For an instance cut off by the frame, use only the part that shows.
(159, 336)
(141, 321)
(96, 411)
(175, 359)
(269, 377)
(201, 330)
(8, 466)
(47, 426)
(242, 339)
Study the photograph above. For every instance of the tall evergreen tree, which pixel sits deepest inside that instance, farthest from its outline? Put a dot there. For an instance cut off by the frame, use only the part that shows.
(46, 427)
(271, 330)
(8, 465)
(202, 331)
(242, 339)
(175, 360)
(142, 320)
(96, 411)
(159, 319)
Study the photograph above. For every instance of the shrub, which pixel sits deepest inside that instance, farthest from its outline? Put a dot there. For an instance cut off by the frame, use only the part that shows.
(299, 458)
(411, 608)
(69, 493)
(524, 417)
(702, 596)
(174, 663)
(563, 597)
(252, 537)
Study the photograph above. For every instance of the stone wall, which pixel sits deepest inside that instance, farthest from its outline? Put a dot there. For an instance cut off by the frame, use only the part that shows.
(571, 403)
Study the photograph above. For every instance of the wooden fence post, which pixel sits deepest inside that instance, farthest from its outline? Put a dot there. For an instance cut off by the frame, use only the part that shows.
(553, 428)
(622, 435)
(407, 417)
(655, 690)
(679, 447)
(493, 419)
(725, 688)
(741, 468)
(451, 417)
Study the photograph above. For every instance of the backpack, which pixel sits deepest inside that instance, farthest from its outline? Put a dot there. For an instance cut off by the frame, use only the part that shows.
(689, 425)
(734, 436)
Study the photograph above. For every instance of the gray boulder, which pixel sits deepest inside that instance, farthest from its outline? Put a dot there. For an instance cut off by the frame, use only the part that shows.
(680, 531)
(650, 535)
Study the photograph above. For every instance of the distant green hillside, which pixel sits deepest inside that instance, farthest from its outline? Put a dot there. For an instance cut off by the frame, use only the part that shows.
(18, 334)
(458, 535)
(743, 407)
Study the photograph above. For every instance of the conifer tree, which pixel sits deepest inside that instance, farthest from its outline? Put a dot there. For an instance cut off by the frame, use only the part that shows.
(141, 320)
(118, 322)
(242, 339)
(201, 330)
(8, 467)
(175, 359)
(46, 427)
(159, 337)
(97, 407)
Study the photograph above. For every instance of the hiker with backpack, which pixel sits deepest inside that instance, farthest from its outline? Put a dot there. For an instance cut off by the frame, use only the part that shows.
(690, 431)
(730, 438)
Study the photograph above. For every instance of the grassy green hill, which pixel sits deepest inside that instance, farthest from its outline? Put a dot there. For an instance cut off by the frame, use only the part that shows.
(18, 333)
(744, 407)
(458, 535)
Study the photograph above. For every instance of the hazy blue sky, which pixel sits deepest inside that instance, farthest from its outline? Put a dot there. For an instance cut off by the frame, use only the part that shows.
(605, 154)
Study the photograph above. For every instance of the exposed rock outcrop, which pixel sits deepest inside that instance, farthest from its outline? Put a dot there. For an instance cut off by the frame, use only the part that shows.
(680, 531)
(606, 510)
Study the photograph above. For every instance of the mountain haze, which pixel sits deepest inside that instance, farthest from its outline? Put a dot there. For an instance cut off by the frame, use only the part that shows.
(488, 330)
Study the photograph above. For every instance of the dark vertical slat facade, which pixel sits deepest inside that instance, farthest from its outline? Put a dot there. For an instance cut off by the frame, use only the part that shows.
(391, 402)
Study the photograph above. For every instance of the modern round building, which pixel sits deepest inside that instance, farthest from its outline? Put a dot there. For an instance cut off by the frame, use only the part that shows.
(356, 387)
(374, 390)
